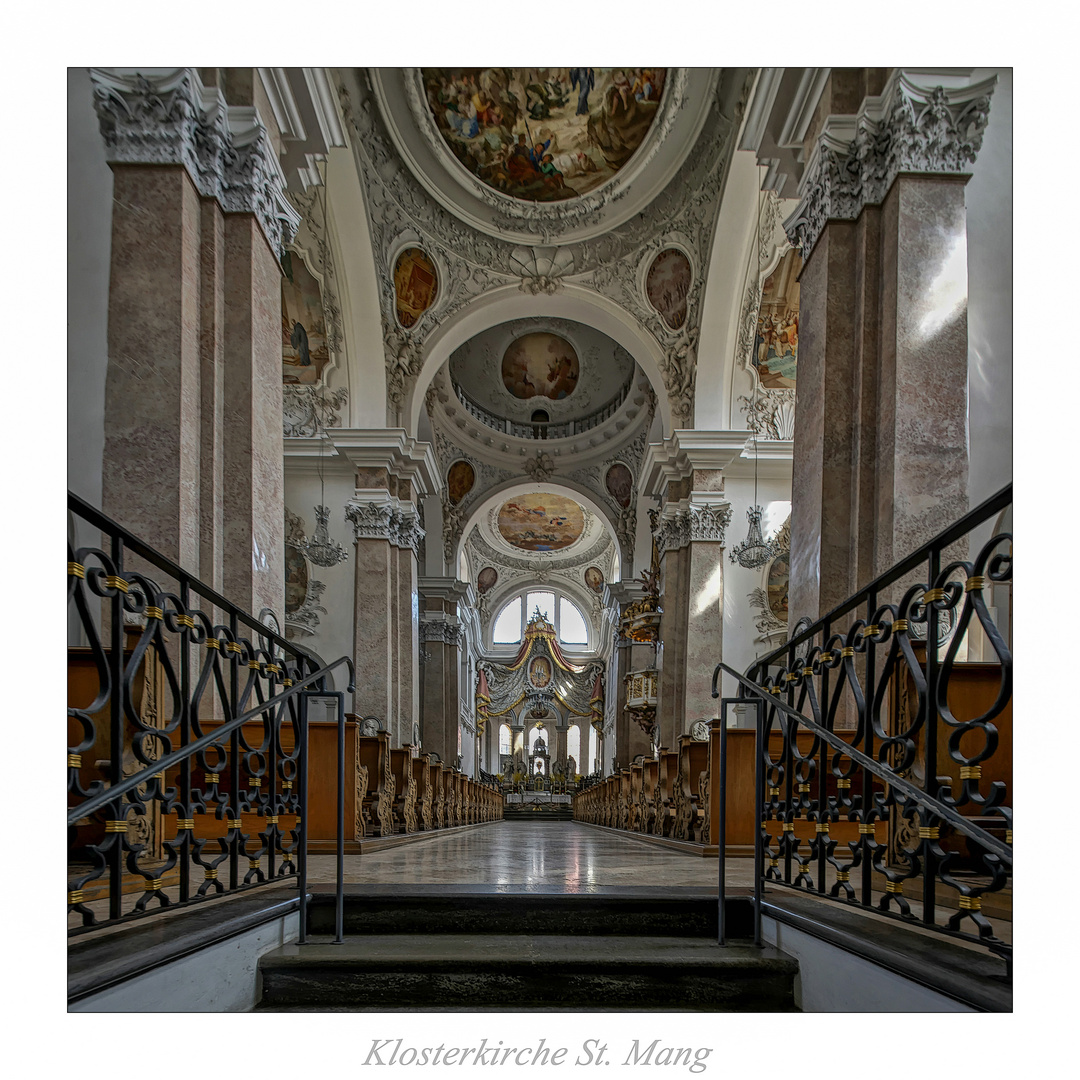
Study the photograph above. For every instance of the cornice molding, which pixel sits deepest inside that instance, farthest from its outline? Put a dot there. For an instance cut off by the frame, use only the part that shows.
(167, 117)
(393, 449)
(911, 127)
(683, 451)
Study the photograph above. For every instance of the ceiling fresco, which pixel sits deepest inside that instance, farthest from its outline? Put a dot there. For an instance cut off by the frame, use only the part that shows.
(540, 364)
(543, 134)
(540, 522)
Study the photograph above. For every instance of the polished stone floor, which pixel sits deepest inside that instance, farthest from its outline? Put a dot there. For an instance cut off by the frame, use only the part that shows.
(555, 853)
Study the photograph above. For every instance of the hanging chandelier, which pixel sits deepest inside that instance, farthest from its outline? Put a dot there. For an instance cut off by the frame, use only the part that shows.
(320, 549)
(755, 550)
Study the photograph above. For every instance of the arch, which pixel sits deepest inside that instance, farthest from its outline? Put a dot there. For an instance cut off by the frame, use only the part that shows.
(571, 302)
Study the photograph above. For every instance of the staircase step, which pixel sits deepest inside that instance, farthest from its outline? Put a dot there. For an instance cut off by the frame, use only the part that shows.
(515, 971)
(485, 909)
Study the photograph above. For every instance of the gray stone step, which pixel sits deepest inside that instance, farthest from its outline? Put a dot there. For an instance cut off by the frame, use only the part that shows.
(514, 971)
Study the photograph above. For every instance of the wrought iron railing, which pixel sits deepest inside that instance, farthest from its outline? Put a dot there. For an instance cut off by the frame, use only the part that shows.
(862, 725)
(187, 708)
(542, 429)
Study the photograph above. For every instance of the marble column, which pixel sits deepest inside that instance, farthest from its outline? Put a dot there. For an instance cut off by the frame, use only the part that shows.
(881, 451)
(441, 640)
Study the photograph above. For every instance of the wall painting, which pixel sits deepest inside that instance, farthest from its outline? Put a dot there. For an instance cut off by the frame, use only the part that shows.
(296, 579)
(543, 134)
(776, 346)
(486, 579)
(459, 481)
(620, 484)
(540, 672)
(540, 522)
(777, 586)
(304, 350)
(594, 578)
(540, 364)
(667, 285)
(416, 285)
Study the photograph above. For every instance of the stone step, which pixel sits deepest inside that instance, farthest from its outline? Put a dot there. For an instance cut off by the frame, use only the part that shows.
(491, 909)
(515, 972)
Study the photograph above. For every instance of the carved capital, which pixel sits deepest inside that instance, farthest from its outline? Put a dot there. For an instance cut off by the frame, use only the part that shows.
(387, 519)
(449, 633)
(680, 525)
(909, 128)
(172, 119)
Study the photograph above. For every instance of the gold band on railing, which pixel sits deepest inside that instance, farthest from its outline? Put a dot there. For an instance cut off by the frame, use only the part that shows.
(866, 830)
(184, 823)
(929, 832)
(847, 650)
(296, 824)
(213, 643)
(975, 583)
(234, 823)
(970, 772)
(231, 646)
(153, 612)
(899, 625)
(826, 657)
(933, 594)
(286, 856)
(791, 676)
(115, 582)
(804, 787)
(843, 783)
(255, 781)
(286, 682)
(894, 887)
(186, 620)
(764, 824)
(1008, 836)
(253, 664)
(116, 826)
(808, 671)
(843, 875)
(774, 862)
(804, 868)
(774, 793)
(822, 826)
(212, 778)
(76, 569)
(775, 690)
(74, 761)
(210, 873)
(253, 864)
(970, 903)
(271, 819)
(152, 884)
(789, 826)
(75, 896)
(286, 785)
(275, 668)
(869, 631)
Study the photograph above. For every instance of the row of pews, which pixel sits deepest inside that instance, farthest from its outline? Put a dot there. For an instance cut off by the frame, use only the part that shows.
(663, 796)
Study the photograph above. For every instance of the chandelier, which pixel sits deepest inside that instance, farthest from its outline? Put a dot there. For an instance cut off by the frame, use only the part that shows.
(755, 550)
(320, 549)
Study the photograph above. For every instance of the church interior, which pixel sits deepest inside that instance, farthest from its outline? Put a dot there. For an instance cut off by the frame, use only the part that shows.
(540, 538)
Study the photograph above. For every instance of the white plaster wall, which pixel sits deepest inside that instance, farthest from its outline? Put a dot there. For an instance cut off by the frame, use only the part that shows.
(334, 635)
(89, 208)
(740, 647)
(989, 197)
(833, 980)
(220, 978)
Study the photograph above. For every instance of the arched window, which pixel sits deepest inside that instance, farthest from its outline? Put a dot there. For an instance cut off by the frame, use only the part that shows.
(573, 747)
(571, 626)
(504, 738)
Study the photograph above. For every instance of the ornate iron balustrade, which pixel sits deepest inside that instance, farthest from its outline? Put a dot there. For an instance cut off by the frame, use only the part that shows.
(192, 711)
(862, 724)
(542, 429)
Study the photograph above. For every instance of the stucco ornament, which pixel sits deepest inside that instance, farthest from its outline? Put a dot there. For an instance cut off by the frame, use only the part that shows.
(308, 410)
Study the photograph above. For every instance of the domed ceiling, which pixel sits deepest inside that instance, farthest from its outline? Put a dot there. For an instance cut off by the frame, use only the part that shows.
(540, 522)
(543, 134)
(564, 367)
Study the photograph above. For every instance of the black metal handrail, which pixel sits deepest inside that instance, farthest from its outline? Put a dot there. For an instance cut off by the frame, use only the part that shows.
(873, 712)
(199, 662)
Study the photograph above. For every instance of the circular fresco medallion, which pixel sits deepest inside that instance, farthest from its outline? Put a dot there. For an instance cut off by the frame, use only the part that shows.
(415, 285)
(540, 672)
(777, 586)
(540, 522)
(620, 484)
(486, 579)
(667, 286)
(459, 481)
(543, 134)
(540, 364)
(296, 579)
(594, 578)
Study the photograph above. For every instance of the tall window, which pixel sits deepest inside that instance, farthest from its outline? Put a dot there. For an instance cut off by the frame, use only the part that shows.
(571, 627)
(573, 747)
(504, 738)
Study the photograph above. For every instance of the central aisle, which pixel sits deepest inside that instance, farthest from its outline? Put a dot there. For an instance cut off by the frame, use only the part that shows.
(563, 854)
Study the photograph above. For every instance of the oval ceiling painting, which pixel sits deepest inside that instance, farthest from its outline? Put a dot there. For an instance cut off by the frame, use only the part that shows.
(543, 134)
(667, 286)
(415, 285)
(541, 522)
(543, 364)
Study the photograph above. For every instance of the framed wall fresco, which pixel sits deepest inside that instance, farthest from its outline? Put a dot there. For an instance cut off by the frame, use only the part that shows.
(485, 580)
(776, 343)
(776, 586)
(594, 578)
(296, 579)
(619, 482)
(667, 285)
(459, 481)
(543, 134)
(416, 285)
(540, 364)
(304, 349)
(540, 522)
(540, 672)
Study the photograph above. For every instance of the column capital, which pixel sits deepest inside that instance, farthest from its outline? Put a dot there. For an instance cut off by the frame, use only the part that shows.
(916, 125)
(378, 515)
(704, 517)
(165, 116)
